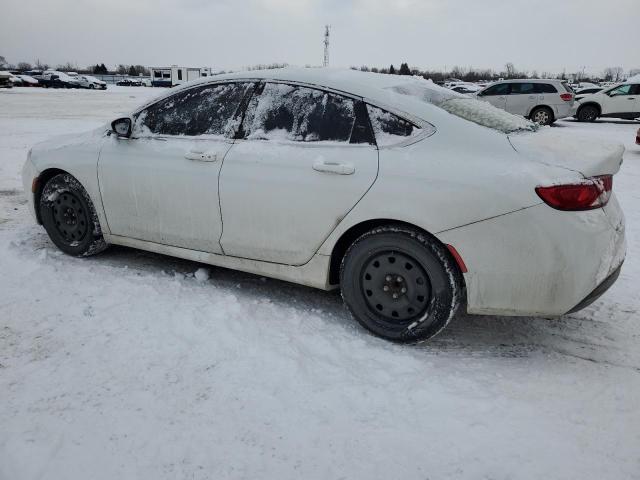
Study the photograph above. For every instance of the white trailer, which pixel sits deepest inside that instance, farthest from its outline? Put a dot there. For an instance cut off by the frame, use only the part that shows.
(175, 75)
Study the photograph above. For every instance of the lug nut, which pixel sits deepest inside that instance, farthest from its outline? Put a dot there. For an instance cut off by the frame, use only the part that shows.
(388, 278)
(385, 288)
(404, 290)
(395, 295)
(399, 279)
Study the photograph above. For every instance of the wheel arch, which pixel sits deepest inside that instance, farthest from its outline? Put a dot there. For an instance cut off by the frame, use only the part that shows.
(545, 106)
(350, 235)
(590, 104)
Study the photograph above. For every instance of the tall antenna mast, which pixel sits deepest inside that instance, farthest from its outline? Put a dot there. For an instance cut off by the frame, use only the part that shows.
(325, 63)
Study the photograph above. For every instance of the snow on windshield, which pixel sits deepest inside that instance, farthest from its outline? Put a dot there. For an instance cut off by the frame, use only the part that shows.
(462, 106)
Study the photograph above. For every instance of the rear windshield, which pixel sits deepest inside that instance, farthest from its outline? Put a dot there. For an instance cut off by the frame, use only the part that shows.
(462, 106)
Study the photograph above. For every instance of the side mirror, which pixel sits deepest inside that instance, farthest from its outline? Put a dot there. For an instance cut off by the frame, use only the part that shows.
(122, 127)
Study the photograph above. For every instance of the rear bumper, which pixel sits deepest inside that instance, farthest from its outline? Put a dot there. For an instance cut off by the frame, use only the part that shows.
(564, 110)
(598, 291)
(539, 261)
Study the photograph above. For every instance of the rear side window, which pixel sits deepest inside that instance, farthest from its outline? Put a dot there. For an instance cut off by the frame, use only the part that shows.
(389, 128)
(207, 110)
(522, 88)
(300, 114)
(545, 88)
(499, 89)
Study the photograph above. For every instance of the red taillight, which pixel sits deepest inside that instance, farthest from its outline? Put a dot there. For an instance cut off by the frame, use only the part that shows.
(567, 97)
(592, 193)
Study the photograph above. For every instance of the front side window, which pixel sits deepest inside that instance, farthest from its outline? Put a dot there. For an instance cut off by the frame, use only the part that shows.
(179, 74)
(522, 88)
(621, 90)
(389, 128)
(287, 112)
(499, 89)
(207, 110)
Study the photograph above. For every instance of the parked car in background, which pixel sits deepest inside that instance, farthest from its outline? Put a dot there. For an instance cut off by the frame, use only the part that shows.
(620, 101)
(351, 180)
(587, 91)
(466, 88)
(129, 82)
(55, 79)
(638, 137)
(28, 81)
(87, 81)
(5, 80)
(543, 101)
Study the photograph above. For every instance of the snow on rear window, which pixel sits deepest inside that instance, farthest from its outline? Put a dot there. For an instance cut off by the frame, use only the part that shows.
(465, 107)
(389, 128)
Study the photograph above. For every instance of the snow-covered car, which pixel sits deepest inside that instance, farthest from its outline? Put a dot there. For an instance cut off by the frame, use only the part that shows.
(28, 81)
(87, 81)
(55, 79)
(580, 94)
(543, 101)
(466, 88)
(410, 198)
(5, 80)
(620, 101)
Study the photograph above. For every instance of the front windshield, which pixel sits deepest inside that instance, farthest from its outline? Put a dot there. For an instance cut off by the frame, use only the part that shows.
(466, 107)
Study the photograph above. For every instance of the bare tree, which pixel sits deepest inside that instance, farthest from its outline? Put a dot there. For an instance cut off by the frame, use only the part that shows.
(3, 61)
(510, 70)
(24, 66)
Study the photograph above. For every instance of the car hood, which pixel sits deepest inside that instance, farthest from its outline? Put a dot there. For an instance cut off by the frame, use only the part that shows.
(70, 140)
(557, 147)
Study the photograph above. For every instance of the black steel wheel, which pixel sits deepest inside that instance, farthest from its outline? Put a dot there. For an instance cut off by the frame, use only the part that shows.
(400, 284)
(69, 217)
(588, 113)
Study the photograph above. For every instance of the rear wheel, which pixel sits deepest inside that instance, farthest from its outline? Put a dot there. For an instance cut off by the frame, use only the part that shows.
(400, 284)
(588, 113)
(542, 116)
(69, 217)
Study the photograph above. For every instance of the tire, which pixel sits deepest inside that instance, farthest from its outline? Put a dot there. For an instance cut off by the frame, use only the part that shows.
(69, 217)
(542, 116)
(588, 113)
(91, 86)
(400, 284)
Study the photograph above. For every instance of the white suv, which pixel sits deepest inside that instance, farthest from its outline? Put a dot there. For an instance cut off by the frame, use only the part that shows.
(543, 101)
(619, 101)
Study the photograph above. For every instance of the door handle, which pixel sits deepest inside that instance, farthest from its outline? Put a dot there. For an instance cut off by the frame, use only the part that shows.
(201, 156)
(631, 98)
(334, 167)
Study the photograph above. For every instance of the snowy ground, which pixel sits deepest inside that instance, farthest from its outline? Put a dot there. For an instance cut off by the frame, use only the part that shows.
(128, 366)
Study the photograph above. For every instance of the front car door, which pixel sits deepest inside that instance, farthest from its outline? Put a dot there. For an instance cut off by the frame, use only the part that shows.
(161, 185)
(496, 95)
(305, 158)
(623, 100)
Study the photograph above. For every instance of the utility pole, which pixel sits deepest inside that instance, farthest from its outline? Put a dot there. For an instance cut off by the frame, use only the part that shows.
(325, 63)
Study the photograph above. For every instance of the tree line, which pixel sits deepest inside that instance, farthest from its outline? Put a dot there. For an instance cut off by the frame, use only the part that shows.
(610, 74)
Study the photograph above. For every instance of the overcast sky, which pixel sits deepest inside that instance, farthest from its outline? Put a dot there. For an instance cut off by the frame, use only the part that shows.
(542, 35)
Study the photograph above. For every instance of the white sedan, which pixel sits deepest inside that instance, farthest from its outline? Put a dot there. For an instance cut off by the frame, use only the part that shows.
(412, 199)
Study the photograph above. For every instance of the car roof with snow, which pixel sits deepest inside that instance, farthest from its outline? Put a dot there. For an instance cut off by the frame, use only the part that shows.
(409, 95)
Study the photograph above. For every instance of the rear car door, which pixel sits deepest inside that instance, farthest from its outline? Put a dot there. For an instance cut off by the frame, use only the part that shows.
(521, 98)
(306, 156)
(496, 95)
(161, 185)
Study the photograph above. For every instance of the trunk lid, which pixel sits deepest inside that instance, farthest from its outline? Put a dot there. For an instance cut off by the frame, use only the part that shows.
(557, 147)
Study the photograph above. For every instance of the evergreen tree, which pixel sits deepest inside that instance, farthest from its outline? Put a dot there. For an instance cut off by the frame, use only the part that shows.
(392, 70)
(404, 69)
(132, 71)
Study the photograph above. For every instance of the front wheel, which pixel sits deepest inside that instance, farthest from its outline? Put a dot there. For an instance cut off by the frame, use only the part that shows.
(400, 284)
(588, 113)
(69, 217)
